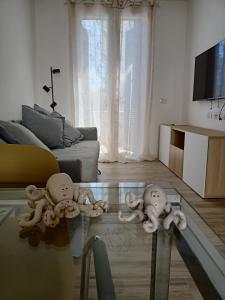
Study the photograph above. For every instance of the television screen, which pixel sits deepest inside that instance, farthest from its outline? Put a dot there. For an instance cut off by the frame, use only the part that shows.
(209, 76)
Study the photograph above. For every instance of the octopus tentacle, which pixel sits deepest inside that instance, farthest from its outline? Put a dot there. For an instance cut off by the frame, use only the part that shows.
(25, 217)
(67, 208)
(86, 193)
(181, 220)
(132, 201)
(50, 219)
(72, 211)
(103, 204)
(59, 209)
(91, 210)
(152, 211)
(90, 196)
(152, 224)
(177, 217)
(34, 194)
(132, 216)
(24, 222)
(167, 208)
(76, 191)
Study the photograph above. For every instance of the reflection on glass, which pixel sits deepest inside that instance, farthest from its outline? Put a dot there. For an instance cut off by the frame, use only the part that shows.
(58, 236)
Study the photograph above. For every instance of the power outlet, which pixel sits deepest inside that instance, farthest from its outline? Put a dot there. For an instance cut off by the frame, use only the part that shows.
(216, 115)
(163, 100)
(222, 116)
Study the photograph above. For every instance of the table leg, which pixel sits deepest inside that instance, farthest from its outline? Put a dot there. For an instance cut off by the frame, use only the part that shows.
(160, 264)
(77, 230)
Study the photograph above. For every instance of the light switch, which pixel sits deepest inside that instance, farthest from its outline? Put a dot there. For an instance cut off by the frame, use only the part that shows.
(163, 100)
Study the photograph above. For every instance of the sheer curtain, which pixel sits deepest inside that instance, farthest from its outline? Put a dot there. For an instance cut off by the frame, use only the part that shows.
(111, 51)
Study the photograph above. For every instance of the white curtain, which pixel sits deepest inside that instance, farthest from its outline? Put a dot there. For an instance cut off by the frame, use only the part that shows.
(111, 52)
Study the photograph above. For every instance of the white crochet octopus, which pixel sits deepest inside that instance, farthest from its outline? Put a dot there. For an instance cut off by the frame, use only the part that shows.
(61, 198)
(152, 210)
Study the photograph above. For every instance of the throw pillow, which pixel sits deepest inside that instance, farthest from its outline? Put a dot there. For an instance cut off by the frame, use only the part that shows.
(71, 135)
(2, 141)
(15, 133)
(41, 110)
(47, 128)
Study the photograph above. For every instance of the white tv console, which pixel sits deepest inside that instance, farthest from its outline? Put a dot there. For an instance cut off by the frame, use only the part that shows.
(197, 156)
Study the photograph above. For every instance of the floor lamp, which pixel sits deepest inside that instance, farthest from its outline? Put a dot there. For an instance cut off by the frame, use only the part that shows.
(51, 87)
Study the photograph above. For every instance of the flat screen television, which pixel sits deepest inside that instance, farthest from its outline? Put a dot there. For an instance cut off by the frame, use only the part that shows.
(209, 75)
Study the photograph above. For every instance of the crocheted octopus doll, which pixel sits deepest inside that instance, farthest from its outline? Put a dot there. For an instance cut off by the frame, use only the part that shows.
(60, 199)
(152, 210)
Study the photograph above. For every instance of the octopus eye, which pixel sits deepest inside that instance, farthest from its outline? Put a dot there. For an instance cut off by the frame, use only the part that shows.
(158, 196)
(153, 195)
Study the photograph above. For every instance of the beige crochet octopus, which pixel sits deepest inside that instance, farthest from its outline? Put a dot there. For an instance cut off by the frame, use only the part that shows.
(153, 209)
(60, 199)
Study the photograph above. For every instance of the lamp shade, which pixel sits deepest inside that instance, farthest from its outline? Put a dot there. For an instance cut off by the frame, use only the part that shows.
(46, 88)
(56, 71)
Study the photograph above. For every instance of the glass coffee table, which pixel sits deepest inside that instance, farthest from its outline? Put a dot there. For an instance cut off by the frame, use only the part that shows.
(43, 263)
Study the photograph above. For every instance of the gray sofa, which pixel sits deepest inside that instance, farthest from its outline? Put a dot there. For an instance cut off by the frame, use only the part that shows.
(80, 161)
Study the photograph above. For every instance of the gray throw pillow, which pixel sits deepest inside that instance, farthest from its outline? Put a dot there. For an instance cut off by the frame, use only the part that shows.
(15, 133)
(41, 110)
(71, 135)
(48, 129)
(2, 141)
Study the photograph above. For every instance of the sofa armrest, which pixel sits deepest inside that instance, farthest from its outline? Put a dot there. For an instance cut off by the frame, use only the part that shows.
(21, 165)
(72, 168)
(89, 133)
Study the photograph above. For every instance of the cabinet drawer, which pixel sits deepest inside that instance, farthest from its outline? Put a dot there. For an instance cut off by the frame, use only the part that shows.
(176, 160)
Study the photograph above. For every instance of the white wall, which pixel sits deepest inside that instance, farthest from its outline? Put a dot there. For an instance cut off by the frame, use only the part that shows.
(169, 67)
(206, 27)
(16, 57)
(52, 49)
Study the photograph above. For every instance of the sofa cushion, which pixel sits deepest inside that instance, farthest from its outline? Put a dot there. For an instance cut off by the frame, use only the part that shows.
(71, 134)
(15, 133)
(85, 151)
(47, 128)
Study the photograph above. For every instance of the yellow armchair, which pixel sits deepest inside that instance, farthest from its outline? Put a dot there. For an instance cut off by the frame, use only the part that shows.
(21, 165)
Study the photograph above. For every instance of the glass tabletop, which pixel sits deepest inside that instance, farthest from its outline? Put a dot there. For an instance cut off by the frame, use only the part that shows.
(45, 263)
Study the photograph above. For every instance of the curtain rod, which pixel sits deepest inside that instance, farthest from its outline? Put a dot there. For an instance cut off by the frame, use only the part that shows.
(118, 3)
